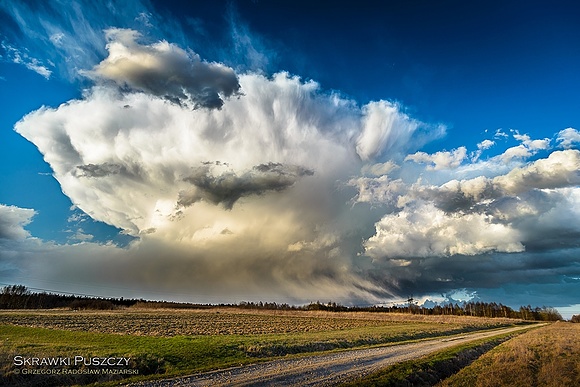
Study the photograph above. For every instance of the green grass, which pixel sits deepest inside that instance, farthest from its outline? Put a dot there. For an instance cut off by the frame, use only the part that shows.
(179, 355)
(175, 354)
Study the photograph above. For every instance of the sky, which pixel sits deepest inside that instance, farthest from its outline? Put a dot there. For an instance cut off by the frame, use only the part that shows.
(286, 151)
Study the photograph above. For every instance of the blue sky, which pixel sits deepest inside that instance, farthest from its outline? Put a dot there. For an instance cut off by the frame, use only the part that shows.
(285, 151)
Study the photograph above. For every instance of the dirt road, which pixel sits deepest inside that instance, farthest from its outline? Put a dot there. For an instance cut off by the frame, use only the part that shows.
(323, 370)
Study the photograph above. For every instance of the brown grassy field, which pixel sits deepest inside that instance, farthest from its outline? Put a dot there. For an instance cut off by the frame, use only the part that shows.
(228, 321)
(164, 343)
(549, 356)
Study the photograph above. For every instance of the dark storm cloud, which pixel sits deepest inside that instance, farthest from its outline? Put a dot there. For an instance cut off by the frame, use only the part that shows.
(107, 169)
(488, 272)
(227, 188)
(459, 196)
(164, 70)
(99, 170)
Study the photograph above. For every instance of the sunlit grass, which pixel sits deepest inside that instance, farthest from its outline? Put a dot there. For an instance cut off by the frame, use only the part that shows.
(548, 356)
(429, 369)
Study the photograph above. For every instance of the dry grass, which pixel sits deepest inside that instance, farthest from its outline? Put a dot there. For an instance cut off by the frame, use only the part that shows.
(549, 356)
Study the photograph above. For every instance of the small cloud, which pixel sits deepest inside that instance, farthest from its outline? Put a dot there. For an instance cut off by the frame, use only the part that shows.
(147, 231)
(424, 230)
(440, 160)
(500, 134)
(77, 218)
(532, 144)
(559, 170)
(39, 69)
(81, 236)
(12, 222)
(485, 144)
(568, 138)
(57, 38)
(145, 19)
(526, 149)
(516, 152)
(21, 57)
(379, 169)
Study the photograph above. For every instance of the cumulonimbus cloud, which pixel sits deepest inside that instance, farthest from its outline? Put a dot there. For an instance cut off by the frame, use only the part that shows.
(130, 152)
(253, 190)
(285, 189)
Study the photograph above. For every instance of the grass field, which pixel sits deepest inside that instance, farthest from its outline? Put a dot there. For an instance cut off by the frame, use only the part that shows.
(548, 356)
(173, 342)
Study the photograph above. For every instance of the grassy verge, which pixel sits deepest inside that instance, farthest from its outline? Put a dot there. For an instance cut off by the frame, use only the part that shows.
(548, 356)
(431, 369)
(178, 355)
(149, 355)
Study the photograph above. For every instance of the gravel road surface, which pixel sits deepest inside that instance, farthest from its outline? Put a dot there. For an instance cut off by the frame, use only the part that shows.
(322, 370)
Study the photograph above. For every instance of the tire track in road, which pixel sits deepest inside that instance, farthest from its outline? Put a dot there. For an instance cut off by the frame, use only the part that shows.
(323, 370)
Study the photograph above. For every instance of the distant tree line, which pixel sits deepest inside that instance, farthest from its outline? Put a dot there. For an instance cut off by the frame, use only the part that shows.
(478, 309)
(19, 297)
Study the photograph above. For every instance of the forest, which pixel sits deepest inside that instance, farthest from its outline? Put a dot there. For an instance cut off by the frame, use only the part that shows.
(20, 297)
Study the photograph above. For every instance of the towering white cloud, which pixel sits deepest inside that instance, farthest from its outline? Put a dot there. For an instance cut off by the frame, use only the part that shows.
(241, 200)
(121, 157)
